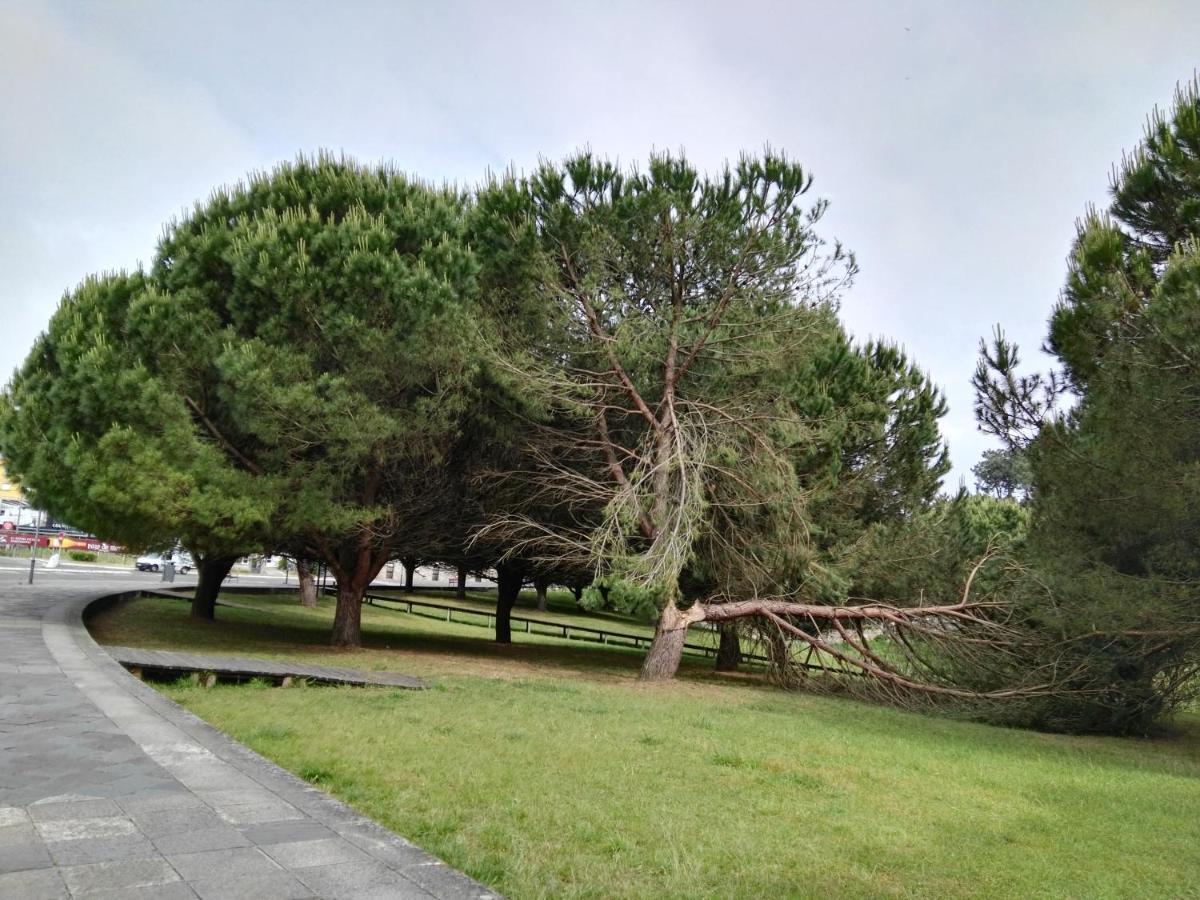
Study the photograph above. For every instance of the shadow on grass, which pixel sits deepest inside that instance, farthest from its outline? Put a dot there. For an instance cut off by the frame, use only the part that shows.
(277, 626)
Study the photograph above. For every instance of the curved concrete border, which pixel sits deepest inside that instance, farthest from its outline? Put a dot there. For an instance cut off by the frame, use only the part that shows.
(287, 825)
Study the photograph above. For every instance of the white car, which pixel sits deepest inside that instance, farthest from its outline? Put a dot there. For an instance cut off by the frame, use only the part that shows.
(155, 562)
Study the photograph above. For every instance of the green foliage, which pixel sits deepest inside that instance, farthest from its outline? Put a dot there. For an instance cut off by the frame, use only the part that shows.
(340, 363)
(1004, 473)
(100, 440)
(330, 306)
(1119, 523)
(1115, 535)
(929, 556)
(622, 594)
(710, 430)
(81, 556)
(292, 373)
(878, 456)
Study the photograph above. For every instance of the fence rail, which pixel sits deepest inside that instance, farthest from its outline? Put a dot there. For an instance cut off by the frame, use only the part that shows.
(551, 629)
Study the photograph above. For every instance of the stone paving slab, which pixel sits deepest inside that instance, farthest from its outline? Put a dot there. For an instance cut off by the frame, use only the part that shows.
(251, 667)
(110, 790)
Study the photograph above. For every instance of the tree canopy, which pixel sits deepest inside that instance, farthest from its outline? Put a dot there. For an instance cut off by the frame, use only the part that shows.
(102, 441)
(301, 343)
(1004, 474)
(704, 407)
(332, 304)
(635, 377)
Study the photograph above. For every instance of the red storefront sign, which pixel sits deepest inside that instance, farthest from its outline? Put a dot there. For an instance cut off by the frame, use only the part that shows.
(12, 539)
(22, 540)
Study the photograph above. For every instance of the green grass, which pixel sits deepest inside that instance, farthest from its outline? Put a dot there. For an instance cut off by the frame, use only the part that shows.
(277, 627)
(546, 770)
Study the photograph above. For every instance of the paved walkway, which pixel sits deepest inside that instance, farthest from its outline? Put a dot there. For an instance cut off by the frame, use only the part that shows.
(109, 790)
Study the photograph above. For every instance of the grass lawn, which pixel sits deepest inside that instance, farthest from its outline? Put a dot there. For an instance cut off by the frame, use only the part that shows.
(546, 770)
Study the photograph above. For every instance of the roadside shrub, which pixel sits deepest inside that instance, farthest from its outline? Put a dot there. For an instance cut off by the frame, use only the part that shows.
(81, 556)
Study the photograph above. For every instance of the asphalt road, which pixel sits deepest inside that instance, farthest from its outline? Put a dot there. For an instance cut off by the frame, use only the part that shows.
(16, 569)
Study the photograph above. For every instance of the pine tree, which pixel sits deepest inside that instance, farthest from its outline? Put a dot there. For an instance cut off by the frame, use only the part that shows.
(330, 306)
(699, 401)
(1004, 474)
(102, 441)
(1116, 526)
(292, 373)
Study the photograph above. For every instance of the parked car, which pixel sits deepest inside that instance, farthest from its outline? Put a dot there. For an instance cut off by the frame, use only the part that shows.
(156, 562)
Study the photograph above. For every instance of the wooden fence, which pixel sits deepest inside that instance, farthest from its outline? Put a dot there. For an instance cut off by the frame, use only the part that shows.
(543, 627)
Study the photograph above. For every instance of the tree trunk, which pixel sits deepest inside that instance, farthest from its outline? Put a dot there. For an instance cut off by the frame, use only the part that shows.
(578, 592)
(509, 579)
(212, 571)
(778, 650)
(461, 591)
(308, 584)
(347, 618)
(666, 651)
(729, 652)
(352, 582)
(410, 566)
(541, 585)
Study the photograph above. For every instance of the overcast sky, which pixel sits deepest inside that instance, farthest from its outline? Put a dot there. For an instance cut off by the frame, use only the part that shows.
(957, 141)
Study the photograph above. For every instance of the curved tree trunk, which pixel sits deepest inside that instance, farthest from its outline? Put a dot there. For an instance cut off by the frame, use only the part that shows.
(509, 578)
(461, 591)
(308, 584)
(211, 571)
(666, 651)
(729, 651)
(541, 585)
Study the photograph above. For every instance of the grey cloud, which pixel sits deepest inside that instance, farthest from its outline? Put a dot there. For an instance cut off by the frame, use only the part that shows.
(957, 142)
